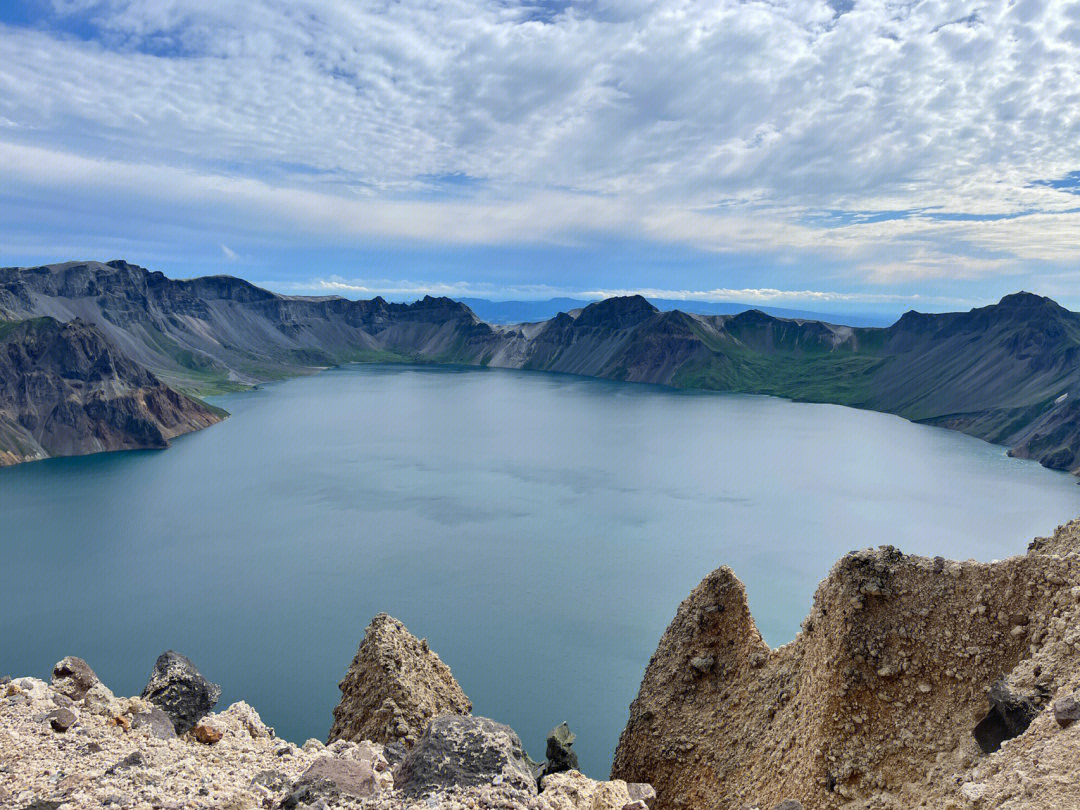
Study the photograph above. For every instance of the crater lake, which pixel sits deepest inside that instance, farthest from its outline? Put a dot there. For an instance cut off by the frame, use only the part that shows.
(539, 530)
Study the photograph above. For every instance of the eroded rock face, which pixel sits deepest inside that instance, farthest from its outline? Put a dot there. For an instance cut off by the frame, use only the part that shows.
(465, 752)
(875, 702)
(179, 689)
(394, 687)
(66, 389)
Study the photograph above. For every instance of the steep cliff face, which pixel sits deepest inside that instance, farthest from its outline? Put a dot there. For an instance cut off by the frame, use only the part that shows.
(64, 390)
(874, 704)
(218, 333)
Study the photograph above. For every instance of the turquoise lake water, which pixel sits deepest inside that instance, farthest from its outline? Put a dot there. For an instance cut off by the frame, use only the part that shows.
(540, 530)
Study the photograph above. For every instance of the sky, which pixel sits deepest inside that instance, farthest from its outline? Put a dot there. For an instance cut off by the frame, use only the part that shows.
(832, 155)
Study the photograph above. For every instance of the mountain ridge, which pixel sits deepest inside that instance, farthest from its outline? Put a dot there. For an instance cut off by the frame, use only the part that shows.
(1008, 372)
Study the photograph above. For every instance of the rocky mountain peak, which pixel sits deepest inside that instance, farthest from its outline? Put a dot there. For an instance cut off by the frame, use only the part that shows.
(621, 312)
(1026, 300)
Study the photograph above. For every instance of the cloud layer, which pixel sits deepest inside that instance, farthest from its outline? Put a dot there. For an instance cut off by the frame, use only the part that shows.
(902, 139)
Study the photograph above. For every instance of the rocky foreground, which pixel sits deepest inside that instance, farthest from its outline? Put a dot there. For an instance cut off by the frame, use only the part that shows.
(71, 743)
(915, 683)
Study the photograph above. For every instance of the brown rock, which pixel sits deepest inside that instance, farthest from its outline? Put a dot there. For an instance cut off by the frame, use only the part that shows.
(207, 733)
(61, 719)
(351, 777)
(73, 678)
(1066, 711)
(122, 721)
(394, 687)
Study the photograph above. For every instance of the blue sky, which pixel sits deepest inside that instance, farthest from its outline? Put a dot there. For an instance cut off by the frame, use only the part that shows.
(820, 155)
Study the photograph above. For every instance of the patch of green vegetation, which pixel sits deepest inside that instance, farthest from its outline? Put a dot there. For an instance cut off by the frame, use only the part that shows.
(839, 377)
(200, 390)
(8, 327)
(381, 356)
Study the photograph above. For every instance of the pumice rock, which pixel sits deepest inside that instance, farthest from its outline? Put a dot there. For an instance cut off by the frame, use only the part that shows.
(394, 687)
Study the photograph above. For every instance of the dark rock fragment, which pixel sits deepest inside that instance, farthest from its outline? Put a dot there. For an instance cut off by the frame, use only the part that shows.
(132, 760)
(394, 753)
(1066, 711)
(61, 719)
(1009, 716)
(560, 754)
(180, 690)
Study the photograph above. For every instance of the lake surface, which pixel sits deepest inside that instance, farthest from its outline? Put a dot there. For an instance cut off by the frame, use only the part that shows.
(540, 530)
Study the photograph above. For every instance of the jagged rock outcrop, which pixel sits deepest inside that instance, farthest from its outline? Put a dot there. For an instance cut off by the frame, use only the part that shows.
(560, 752)
(394, 687)
(66, 390)
(875, 703)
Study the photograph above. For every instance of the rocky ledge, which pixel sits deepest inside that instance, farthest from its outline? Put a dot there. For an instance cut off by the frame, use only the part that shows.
(71, 744)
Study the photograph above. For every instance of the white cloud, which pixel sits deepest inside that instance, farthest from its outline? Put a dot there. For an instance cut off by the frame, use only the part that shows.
(228, 252)
(400, 288)
(723, 125)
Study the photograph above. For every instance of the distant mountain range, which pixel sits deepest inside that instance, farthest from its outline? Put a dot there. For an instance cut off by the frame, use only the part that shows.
(1007, 373)
(532, 311)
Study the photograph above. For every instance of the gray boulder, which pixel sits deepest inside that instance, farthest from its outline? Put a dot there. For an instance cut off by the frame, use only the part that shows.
(73, 678)
(156, 723)
(560, 754)
(179, 689)
(641, 792)
(460, 751)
